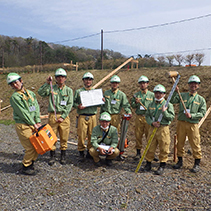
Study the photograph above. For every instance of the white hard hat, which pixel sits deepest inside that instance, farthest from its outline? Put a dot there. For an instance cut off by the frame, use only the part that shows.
(115, 78)
(88, 75)
(194, 78)
(11, 77)
(105, 116)
(143, 79)
(60, 72)
(159, 88)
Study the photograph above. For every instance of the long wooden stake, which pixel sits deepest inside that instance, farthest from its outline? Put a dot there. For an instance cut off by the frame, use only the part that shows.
(205, 116)
(112, 73)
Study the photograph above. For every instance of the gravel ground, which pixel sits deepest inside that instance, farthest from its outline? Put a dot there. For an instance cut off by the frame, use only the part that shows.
(82, 186)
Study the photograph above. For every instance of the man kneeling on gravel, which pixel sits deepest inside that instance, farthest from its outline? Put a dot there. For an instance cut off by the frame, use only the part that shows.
(104, 141)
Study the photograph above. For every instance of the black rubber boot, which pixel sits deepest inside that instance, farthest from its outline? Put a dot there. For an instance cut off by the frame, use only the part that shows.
(81, 156)
(161, 168)
(179, 163)
(108, 162)
(52, 158)
(138, 154)
(88, 156)
(63, 157)
(29, 170)
(147, 167)
(196, 167)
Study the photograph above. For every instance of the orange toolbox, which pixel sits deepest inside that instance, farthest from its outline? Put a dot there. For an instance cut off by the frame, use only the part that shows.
(44, 139)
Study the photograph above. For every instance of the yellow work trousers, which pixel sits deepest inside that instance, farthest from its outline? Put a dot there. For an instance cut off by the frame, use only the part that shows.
(161, 138)
(63, 129)
(85, 127)
(95, 154)
(192, 131)
(24, 132)
(141, 128)
(115, 121)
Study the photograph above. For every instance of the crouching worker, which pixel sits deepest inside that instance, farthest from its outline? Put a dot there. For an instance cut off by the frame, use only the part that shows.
(104, 141)
(162, 135)
(26, 113)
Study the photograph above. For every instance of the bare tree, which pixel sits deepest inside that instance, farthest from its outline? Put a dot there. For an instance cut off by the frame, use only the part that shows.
(161, 60)
(189, 59)
(179, 58)
(199, 57)
(170, 60)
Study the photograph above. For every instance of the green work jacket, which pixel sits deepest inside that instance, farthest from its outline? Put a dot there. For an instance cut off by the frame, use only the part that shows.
(115, 101)
(63, 98)
(110, 140)
(145, 99)
(25, 107)
(195, 103)
(77, 102)
(155, 109)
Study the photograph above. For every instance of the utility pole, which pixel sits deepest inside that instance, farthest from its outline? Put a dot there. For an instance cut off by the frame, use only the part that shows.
(41, 54)
(102, 49)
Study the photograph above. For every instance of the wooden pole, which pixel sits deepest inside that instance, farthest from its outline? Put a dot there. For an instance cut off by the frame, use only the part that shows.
(5, 107)
(175, 148)
(112, 73)
(205, 116)
(101, 49)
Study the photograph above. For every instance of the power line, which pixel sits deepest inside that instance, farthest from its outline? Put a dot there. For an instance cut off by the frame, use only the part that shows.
(159, 25)
(136, 29)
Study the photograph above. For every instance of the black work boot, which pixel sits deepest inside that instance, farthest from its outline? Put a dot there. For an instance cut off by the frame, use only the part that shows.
(52, 158)
(138, 154)
(179, 163)
(147, 167)
(108, 162)
(88, 156)
(63, 157)
(81, 156)
(161, 168)
(29, 170)
(196, 167)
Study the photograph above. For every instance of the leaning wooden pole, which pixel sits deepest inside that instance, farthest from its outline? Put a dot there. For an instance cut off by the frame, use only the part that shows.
(112, 73)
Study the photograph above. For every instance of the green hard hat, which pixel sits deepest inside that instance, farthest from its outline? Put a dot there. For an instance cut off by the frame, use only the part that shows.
(194, 78)
(88, 75)
(11, 77)
(115, 78)
(159, 88)
(60, 72)
(143, 79)
(105, 116)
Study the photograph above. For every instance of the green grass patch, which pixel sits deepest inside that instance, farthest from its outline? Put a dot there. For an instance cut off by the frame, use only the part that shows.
(7, 122)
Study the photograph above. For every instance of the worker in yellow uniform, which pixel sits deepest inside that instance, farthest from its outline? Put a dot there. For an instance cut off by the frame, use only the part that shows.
(187, 124)
(87, 117)
(140, 102)
(104, 141)
(162, 135)
(115, 100)
(61, 101)
(26, 114)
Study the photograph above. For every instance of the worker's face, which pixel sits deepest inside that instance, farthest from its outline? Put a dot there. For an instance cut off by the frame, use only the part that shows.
(159, 95)
(114, 85)
(88, 82)
(60, 80)
(104, 124)
(193, 87)
(17, 85)
(143, 85)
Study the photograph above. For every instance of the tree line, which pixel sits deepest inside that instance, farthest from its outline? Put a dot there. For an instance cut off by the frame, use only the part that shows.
(20, 52)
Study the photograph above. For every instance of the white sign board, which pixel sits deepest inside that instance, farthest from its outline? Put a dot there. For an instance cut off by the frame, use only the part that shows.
(91, 97)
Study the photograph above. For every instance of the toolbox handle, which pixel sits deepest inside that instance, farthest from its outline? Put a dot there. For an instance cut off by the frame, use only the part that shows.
(40, 128)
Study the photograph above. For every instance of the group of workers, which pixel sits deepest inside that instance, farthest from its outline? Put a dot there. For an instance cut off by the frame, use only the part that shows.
(103, 139)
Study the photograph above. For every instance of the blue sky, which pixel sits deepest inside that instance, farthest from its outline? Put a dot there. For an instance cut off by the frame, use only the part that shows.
(53, 21)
